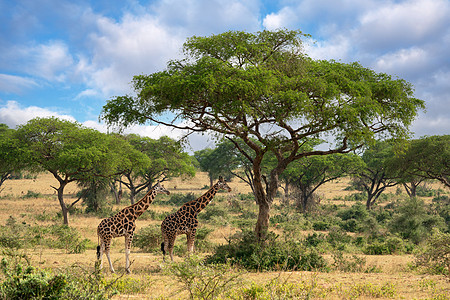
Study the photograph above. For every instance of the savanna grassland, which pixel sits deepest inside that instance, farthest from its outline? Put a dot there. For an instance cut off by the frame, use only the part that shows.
(353, 275)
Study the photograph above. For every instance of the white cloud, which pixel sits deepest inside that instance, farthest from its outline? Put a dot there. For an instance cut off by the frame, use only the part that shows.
(12, 114)
(15, 84)
(204, 17)
(403, 61)
(136, 45)
(51, 61)
(402, 24)
(281, 19)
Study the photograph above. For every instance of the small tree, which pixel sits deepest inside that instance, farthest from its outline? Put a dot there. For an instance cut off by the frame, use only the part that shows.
(374, 176)
(424, 158)
(69, 151)
(157, 159)
(309, 173)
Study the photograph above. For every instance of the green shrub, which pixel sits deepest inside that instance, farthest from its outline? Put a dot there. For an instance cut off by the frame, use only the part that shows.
(212, 211)
(414, 222)
(244, 250)
(148, 238)
(320, 225)
(277, 289)
(178, 199)
(23, 281)
(202, 243)
(67, 238)
(31, 194)
(203, 281)
(337, 238)
(435, 255)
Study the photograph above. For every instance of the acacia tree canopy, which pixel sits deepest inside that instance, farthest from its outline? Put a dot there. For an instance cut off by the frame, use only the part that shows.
(260, 86)
(69, 151)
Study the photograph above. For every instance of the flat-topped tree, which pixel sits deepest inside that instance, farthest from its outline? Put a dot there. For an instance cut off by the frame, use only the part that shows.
(70, 152)
(260, 86)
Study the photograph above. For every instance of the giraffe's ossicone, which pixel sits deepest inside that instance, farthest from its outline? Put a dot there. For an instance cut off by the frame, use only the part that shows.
(123, 224)
(184, 221)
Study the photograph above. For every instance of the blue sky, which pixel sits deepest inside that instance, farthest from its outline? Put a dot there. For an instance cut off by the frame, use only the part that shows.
(67, 58)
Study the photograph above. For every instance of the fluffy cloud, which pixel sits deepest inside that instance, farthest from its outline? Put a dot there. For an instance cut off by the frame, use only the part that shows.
(12, 114)
(15, 84)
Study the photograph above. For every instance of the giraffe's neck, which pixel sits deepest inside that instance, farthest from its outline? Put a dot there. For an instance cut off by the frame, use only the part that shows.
(142, 205)
(199, 204)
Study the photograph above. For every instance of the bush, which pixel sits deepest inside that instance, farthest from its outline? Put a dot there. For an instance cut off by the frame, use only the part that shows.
(178, 199)
(148, 238)
(203, 281)
(414, 222)
(320, 226)
(212, 211)
(435, 256)
(68, 238)
(244, 250)
(23, 281)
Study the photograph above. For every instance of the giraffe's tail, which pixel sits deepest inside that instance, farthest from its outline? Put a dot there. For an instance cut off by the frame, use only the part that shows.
(162, 248)
(98, 248)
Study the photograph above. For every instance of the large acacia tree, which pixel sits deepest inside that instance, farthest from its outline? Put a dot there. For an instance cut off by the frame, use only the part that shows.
(260, 86)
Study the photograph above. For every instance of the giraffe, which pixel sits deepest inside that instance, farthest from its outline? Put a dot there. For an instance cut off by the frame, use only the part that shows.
(184, 221)
(123, 224)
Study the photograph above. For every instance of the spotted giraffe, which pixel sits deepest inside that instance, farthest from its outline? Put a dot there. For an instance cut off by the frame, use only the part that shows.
(123, 224)
(184, 221)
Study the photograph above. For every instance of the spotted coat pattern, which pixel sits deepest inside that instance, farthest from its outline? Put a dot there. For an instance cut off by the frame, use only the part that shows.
(184, 221)
(123, 224)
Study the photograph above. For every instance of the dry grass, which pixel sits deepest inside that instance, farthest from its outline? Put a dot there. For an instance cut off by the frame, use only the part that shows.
(146, 266)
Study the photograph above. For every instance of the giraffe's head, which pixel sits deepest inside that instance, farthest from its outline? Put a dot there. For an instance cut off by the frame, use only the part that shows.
(221, 184)
(159, 188)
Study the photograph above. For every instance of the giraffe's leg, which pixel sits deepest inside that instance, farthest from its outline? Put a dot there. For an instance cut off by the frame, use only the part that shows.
(128, 240)
(165, 246)
(170, 245)
(190, 242)
(107, 247)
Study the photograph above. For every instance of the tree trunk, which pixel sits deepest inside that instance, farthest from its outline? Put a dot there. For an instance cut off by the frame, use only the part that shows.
(262, 224)
(64, 209)
(132, 195)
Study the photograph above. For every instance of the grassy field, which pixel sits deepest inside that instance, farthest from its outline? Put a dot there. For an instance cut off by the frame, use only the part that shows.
(393, 280)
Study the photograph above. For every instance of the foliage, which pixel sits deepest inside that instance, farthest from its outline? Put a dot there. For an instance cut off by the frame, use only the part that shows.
(148, 238)
(413, 221)
(153, 160)
(178, 199)
(203, 281)
(352, 263)
(309, 173)
(278, 288)
(23, 281)
(244, 250)
(435, 255)
(94, 193)
(426, 158)
(13, 155)
(69, 151)
(17, 235)
(219, 161)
